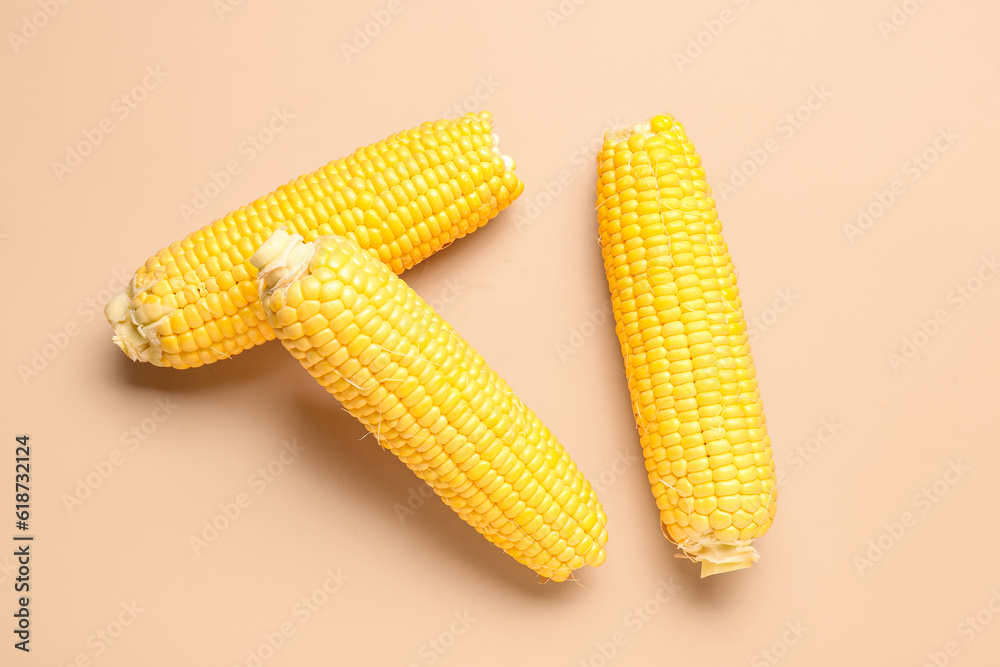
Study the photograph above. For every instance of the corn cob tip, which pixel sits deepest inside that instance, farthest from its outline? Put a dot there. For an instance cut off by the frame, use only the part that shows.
(280, 259)
(715, 556)
(138, 342)
(644, 129)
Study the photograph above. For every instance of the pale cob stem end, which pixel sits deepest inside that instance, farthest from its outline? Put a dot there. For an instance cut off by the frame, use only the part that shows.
(715, 556)
(282, 258)
(726, 558)
(140, 343)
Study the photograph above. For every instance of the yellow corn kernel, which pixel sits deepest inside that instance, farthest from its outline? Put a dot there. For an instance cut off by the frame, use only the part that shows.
(376, 196)
(495, 464)
(666, 262)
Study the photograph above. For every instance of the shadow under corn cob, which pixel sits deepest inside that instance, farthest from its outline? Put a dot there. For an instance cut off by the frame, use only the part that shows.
(683, 336)
(432, 400)
(403, 199)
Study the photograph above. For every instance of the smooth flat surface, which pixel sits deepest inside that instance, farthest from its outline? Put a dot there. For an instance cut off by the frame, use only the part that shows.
(878, 555)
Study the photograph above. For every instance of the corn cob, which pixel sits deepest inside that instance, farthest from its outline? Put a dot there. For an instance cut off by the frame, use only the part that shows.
(402, 199)
(679, 320)
(429, 397)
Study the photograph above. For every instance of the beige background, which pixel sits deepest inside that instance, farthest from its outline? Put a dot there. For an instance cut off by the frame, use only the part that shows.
(858, 435)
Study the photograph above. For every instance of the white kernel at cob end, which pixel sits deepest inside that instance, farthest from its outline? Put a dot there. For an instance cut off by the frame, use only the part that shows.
(280, 259)
(139, 341)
